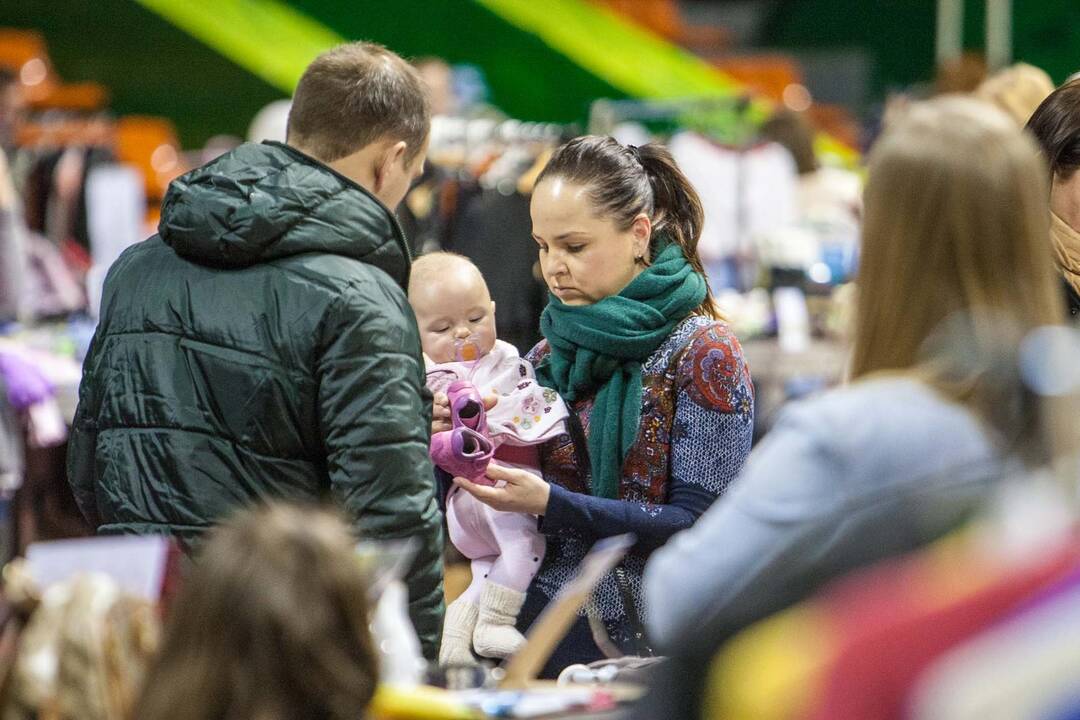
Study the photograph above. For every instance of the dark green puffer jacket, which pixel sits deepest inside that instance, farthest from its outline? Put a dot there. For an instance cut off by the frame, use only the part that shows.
(261, 346)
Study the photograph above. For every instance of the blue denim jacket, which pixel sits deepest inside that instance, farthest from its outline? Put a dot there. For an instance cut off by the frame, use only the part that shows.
(843, 479)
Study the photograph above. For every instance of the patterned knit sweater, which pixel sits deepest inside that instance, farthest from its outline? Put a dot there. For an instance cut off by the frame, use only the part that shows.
(695, 433)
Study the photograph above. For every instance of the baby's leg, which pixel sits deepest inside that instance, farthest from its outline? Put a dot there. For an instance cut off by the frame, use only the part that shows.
(470, 532)
(521, 549)
(481, 569)
(469, 527)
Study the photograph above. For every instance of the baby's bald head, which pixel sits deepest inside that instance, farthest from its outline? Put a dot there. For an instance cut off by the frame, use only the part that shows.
(451, 301)
(435, 269)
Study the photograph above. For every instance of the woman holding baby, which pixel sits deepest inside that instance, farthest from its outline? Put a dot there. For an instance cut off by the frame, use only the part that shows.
(659, 395)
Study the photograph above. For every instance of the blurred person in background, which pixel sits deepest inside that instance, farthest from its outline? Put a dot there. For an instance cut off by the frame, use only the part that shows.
(438, 76)
(271, 624)
(1056, 126)
(953, 254)
(270, 123)
(261, 345)
(1018, 90)
(962, 74)
(828, 196)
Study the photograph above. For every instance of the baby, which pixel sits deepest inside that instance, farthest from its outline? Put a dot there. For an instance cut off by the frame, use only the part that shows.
(456, 318)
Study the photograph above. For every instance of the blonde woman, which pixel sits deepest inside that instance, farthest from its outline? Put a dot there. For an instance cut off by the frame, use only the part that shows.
(955, 266)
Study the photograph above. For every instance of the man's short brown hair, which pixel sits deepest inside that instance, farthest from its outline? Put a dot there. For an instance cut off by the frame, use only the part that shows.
(354, 95)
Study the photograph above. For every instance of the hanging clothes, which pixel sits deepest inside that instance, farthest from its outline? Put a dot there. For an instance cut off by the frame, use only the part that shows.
(493, 228)
(11, 444)
(13, 259)
(745, 193)
(422, 214)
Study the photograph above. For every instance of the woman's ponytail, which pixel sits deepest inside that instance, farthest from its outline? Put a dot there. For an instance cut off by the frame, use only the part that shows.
(677, 210)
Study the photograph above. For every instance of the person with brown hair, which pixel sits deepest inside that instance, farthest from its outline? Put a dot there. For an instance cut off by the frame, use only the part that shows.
(954, 273)
(272, 623)
(1056, 126)
(661, 407)
(261, 345)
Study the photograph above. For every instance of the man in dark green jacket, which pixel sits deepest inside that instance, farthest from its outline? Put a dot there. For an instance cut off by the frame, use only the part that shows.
(261, 346)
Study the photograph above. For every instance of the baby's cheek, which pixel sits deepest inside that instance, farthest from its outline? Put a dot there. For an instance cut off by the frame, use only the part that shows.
(487, 337)
(434, 348)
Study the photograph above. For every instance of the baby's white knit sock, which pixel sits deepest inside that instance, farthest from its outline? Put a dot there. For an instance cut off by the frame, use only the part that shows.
(495, 635)
(457, 634)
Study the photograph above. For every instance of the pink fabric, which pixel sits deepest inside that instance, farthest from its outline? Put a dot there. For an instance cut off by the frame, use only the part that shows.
(504, 548)
(526, 413)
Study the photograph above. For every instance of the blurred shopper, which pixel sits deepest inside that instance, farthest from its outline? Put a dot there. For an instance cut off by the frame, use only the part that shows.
(1056, 126)
(261, 345)
(270, 123)
(271, 624)
(438, 76)
(830, 198)
(953, 253)
(1018, 90)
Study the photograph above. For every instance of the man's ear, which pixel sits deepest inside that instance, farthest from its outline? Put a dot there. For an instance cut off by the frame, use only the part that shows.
(393, 155)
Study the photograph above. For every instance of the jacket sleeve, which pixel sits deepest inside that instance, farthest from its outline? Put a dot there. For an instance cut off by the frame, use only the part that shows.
(375, 417)
(748, 554)
(82, 443)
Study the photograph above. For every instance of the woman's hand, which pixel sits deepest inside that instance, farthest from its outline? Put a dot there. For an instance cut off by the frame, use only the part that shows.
(440, 411)
(523, 492)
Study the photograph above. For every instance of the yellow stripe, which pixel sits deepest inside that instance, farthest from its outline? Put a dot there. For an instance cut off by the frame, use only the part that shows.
(275, 42)
(630, 58)
(627, 56)
(266, 37)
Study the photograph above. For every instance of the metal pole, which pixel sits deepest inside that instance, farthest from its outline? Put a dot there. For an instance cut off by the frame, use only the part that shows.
(950, 30)
(998, 34)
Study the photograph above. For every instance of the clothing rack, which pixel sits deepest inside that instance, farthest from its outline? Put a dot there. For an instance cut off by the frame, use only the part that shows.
(731, 119)
(728, 123)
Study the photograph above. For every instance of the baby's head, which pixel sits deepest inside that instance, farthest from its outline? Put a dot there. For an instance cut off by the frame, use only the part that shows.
(452, 303)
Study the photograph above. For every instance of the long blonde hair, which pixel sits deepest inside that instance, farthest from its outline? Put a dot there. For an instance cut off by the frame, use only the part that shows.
(955, 225)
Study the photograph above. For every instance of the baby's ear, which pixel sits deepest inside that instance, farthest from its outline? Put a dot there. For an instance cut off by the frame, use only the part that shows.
(492, 307)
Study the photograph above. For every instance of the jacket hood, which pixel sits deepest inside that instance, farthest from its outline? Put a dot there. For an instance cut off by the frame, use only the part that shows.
(268, 201)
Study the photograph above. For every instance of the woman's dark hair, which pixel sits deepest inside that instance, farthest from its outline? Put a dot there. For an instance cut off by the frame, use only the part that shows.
(1056, 126)
(624, 181)
(272, 623)
(792, 131)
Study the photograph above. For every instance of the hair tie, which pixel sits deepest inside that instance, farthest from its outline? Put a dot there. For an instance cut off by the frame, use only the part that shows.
(636, 152)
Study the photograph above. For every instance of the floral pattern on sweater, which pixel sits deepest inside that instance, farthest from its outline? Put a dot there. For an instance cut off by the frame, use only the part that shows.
(702, 361)
(694, 436)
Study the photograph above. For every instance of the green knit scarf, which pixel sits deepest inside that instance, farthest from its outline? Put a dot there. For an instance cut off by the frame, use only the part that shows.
(599, 349)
